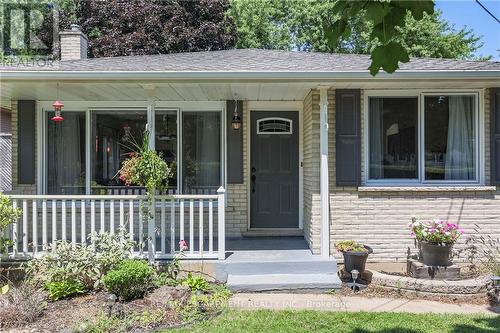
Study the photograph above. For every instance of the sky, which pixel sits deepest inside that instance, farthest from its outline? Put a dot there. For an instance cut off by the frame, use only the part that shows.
(469, 13)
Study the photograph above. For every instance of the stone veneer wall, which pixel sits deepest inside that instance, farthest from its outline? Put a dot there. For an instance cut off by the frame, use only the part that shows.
(380, 218)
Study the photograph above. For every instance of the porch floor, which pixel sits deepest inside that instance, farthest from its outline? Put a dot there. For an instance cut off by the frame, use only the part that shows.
(265, 249)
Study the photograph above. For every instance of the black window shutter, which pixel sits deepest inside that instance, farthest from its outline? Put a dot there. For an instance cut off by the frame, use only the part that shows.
(234, 139)
(26, 122)
(495, 136)
(348, 137)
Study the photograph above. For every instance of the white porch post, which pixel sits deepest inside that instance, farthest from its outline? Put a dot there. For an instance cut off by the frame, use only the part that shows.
(324, 193)
(221, 225)
(152, 208)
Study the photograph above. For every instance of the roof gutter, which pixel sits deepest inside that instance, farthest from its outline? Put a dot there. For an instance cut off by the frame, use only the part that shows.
(271, 75)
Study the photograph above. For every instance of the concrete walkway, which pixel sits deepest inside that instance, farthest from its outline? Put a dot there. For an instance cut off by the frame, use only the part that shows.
(326, 302)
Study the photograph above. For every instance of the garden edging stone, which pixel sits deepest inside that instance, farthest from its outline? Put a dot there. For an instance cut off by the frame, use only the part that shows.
(457, 287)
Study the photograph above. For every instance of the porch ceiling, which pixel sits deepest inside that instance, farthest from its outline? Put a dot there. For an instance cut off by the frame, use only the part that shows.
(119, 91)
(210, 90)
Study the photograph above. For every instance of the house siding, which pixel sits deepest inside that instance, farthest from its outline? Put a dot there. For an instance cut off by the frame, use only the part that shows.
(380, 218)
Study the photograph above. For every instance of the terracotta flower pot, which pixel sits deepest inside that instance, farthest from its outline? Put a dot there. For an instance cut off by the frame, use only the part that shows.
(435, 254)
(356, 260)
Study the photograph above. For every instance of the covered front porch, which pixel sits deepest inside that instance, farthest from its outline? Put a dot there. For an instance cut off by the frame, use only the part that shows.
(210, 197)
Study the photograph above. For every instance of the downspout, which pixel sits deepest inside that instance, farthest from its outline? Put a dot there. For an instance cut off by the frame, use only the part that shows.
(324, 191)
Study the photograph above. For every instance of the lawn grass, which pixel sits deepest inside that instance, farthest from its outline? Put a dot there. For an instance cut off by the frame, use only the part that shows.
(264, 321)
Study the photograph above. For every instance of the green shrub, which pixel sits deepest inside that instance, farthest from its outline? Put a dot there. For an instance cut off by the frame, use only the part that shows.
(196, 283)
(8, 215)
(130, 280)
(85, 264)
(64, 289)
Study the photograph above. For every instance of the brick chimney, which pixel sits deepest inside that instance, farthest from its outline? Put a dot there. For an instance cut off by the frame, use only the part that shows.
(74, 44)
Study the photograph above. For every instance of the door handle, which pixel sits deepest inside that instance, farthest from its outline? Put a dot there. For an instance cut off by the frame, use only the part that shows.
(253, 178)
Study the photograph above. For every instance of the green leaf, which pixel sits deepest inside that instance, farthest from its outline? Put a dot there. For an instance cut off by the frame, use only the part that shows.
(376, 11)
(387, 57)
(4, 290)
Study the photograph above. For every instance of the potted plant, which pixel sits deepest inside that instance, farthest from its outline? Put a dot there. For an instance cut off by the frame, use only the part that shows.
(435, 240)
(355, 254)
(8, 215)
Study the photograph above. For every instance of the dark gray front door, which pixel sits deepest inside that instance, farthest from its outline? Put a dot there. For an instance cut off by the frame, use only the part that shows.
(274, 169)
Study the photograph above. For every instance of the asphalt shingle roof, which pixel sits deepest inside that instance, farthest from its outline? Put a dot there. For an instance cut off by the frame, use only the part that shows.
(250, 60)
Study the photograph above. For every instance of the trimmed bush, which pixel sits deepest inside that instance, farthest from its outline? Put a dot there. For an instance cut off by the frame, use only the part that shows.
(131, 279)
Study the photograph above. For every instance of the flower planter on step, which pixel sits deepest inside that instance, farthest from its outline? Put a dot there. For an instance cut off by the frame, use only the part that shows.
(356, 260)
(435, 255)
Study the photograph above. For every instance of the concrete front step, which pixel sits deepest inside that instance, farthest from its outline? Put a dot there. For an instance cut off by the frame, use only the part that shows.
(281, 267)
(283, 282)
(284, 275)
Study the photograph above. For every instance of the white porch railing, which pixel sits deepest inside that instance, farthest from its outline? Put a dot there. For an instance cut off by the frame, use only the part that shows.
(197, 219)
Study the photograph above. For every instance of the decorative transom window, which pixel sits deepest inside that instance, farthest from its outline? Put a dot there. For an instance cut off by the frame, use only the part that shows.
(429, 138)
(274, 126)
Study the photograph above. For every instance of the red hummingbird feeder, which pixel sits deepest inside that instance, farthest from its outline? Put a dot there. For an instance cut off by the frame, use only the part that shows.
(58, 105)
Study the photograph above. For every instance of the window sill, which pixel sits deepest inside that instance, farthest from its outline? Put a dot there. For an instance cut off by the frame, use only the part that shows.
(441, 188)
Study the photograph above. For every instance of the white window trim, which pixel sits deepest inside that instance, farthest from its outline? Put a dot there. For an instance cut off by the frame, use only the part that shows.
(420, 94)
(44, 107)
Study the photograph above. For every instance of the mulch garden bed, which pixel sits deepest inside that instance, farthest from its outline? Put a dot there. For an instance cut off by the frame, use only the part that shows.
(154, 311)
(67, 315)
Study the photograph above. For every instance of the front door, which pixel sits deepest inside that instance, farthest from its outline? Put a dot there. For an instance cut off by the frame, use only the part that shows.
(274, 169)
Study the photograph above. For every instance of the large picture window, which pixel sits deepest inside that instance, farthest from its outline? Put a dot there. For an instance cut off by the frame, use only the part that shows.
(114, 135)
(450, 138)
(66, 154)
(393, 138)
(436, 144)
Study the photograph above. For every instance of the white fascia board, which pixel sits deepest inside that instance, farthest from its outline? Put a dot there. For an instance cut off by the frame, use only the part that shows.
(271, 75)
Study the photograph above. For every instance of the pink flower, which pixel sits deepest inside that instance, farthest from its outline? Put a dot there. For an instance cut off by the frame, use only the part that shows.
(183, 245)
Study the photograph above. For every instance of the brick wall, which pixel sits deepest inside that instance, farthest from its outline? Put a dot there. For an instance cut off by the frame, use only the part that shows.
(74, 45)
(311, 170)
(380, 218)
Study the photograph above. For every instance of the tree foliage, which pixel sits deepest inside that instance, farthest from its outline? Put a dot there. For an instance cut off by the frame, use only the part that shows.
(385, 16)
(300, 25)
(135, 27)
